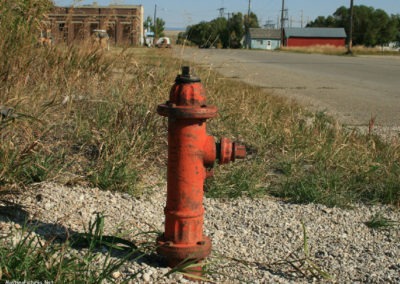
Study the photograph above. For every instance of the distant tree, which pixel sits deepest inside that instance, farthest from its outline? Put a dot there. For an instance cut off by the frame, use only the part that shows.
(207, 34)
(388, 28)
(342, 16)
(236, 30)
(219, 35)
(396, 18)
(370, 27)
(200, 33)
(321, 21)
(148, 24)
(182, 36)
(158, 29)
(252, 22)
(221, 32)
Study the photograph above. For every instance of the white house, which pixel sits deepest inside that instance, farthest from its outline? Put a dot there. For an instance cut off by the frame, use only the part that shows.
(268, 39)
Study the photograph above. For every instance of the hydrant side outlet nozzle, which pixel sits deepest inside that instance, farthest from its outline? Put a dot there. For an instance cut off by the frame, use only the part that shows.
(190, 153)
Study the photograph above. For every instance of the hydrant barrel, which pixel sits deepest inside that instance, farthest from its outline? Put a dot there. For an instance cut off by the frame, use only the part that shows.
(186, 174)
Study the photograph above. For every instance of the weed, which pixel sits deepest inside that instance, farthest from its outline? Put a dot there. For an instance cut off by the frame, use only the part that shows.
(192, 269)
(301, 262)
(298, 262)
(31, 258)
(378, 221)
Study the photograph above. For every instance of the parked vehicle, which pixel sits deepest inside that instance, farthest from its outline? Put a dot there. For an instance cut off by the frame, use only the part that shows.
(163, 42)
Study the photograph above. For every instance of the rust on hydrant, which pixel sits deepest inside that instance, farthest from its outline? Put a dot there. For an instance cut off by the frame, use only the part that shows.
(191, 155)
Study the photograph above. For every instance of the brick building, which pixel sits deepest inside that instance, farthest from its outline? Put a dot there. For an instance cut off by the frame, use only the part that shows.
(124, 24)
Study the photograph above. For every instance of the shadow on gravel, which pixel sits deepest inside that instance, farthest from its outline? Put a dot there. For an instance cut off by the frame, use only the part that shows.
(114, 246)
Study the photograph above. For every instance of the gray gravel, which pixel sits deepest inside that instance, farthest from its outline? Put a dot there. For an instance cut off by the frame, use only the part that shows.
(254, 240)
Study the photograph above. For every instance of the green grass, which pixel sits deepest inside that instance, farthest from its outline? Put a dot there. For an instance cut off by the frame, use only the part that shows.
(32, 259)
(378, 221)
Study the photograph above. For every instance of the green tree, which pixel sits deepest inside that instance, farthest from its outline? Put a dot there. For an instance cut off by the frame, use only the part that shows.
(219, 35)
(252, 22)
(235, 30)
(396, 19)
(148, 24)
(388, 28)
(221, 32)
(157, 29)
(320, 21)
(370, 27)
(199, 34)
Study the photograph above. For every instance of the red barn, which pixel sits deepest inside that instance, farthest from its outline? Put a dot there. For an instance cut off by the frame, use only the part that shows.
(314, 36)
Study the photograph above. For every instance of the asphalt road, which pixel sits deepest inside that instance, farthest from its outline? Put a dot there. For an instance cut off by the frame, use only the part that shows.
(353, 89)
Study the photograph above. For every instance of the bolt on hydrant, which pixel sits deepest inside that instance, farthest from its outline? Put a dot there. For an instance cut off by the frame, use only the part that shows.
(191, 153)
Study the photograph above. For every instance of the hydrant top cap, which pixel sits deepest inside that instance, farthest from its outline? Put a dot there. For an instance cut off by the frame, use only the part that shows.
(186, 77)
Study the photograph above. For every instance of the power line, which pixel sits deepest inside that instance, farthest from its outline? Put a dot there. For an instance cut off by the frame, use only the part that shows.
(221, 12)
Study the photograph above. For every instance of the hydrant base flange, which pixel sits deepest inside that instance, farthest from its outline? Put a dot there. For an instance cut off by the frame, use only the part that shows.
(176, 253)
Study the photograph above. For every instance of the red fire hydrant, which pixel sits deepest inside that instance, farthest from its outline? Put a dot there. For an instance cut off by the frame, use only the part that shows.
(191, 152)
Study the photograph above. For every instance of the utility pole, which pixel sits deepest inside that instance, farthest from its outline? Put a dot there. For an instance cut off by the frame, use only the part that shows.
(248, 26)
(229, 30)
(302, 15)
(248, 12)
(282, 23)
(155, 22)
(350, 43)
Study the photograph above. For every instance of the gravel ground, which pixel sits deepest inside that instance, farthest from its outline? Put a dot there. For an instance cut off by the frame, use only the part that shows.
(254, 240)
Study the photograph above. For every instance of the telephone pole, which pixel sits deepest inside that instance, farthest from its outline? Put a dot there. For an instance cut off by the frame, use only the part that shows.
(248, 26)
(350, 43)
(302, 16)
(282, 23)
(155, 21)
(229, 30)
(248, 11)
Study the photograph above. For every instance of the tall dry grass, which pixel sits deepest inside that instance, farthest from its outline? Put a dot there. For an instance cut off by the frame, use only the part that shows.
(337, 50)
(76, 114)
(84, 116)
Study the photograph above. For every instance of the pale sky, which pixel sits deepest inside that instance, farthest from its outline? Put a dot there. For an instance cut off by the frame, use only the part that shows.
(179, 14)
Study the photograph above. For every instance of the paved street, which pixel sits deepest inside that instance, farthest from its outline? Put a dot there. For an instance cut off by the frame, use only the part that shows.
(351, 88)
